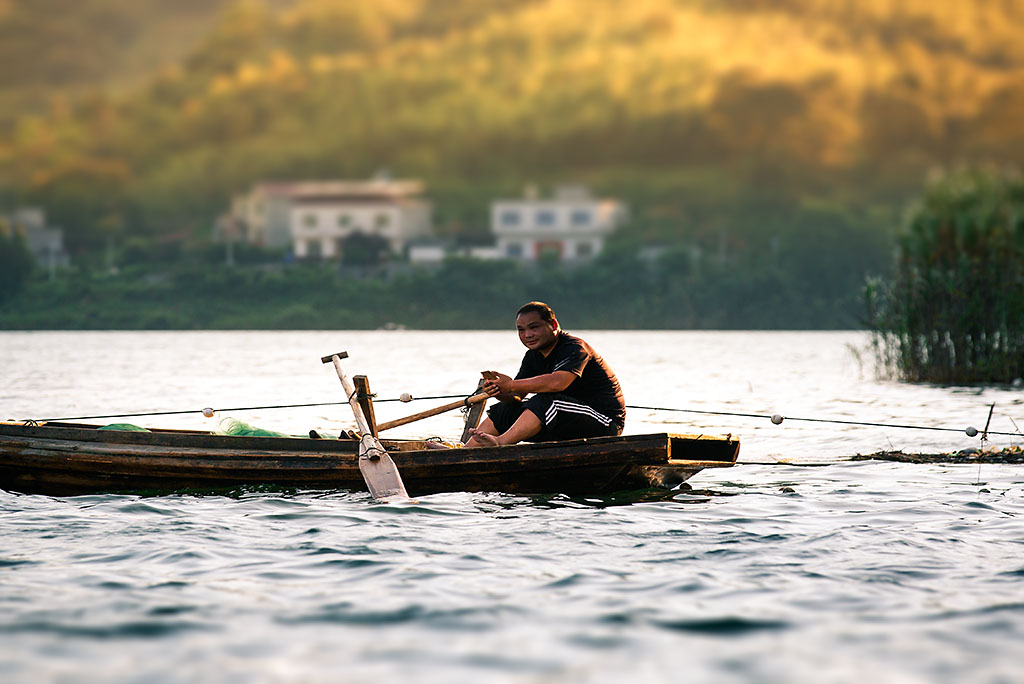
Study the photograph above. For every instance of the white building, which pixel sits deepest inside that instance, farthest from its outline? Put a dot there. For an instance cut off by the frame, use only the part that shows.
(570, 226)
(46, 243)
(316, 217)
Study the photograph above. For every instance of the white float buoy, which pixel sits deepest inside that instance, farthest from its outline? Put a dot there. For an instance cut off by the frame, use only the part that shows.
(777, 419)
(208, 412)
(406, 397)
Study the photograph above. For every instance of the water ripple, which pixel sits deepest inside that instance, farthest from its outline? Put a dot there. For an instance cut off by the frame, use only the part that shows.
(724, 626)
(138, 629)
(863, 571)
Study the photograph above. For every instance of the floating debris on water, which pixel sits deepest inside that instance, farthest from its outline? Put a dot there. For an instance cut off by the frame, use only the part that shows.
(1012, 454)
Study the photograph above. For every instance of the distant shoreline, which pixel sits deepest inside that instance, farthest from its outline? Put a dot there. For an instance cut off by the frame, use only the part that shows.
(620, 292)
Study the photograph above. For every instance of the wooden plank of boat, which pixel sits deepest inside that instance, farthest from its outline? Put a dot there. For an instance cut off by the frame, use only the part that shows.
(62, 459)
(474, 415)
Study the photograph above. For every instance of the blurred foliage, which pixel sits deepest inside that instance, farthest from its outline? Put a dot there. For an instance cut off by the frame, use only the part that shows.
(777, 139)
(859, 98)
(53, 48)
(16, 262)
(953, 312)
(678, 288)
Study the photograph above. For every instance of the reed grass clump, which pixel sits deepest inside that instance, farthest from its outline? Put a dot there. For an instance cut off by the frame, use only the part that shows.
(953, 311)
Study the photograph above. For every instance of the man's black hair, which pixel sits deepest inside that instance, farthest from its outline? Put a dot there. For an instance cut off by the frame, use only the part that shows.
(546, 312)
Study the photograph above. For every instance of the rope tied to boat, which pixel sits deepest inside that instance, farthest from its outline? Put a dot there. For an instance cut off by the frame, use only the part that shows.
(370, 449)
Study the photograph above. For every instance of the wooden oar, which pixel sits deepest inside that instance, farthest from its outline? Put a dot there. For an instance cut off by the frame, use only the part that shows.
(469, 401)
(375, 464)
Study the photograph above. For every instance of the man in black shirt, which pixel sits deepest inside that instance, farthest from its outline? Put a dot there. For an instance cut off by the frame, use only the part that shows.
(575, 393)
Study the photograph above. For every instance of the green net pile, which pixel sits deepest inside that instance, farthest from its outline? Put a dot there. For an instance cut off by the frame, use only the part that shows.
(236, 428)
(126, 427)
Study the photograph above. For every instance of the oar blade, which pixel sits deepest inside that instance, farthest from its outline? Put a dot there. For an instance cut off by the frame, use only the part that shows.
(379, 470)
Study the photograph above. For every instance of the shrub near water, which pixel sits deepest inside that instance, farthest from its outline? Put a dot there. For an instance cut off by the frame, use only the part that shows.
(954, 310)
(15, 261)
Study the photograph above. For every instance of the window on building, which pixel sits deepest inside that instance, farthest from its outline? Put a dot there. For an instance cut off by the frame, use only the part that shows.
(580, 217)
(584, 250)
(510, 218)
(344, 220)
(309, 220)
(545, 217)
(514, 250)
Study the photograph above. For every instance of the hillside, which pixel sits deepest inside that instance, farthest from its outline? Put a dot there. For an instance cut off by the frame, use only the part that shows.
(59, 47)
(698, 112)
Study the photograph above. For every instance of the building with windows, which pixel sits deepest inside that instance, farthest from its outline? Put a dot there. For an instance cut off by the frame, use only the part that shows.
(571, 226)
(317, 218)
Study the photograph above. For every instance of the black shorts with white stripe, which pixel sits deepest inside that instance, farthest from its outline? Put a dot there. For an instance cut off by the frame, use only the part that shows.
(562, 416)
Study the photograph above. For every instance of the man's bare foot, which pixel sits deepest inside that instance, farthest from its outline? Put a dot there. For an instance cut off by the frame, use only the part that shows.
(485, 438)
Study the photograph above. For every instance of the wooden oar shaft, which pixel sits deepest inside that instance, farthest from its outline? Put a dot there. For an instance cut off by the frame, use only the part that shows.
(350, 392)
(432, 412)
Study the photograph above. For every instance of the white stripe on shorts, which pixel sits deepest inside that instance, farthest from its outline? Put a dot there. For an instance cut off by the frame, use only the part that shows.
(572, 407)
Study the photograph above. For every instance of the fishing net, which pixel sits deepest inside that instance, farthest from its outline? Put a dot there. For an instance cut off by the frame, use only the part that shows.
(236, 428)
(126, 427)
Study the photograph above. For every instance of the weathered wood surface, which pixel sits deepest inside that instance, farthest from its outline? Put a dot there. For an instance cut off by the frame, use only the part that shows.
(474, 415)
(61, 460)
(365, 399)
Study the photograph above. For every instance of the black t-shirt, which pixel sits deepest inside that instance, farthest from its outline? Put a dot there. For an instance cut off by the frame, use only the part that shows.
(595, 384)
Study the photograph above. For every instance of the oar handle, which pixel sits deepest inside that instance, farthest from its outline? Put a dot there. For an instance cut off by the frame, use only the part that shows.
(350, 392)
(469, 401)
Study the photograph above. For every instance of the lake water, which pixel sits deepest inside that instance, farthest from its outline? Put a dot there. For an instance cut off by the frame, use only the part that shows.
(772, 571)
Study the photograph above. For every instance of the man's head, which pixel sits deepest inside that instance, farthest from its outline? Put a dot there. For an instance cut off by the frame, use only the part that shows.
(537, 326)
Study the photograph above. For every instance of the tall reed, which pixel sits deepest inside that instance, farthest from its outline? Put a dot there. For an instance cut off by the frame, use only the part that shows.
(953, 311)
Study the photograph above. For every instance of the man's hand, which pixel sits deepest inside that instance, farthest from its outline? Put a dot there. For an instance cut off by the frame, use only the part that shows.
(497, 384)
(505, 388)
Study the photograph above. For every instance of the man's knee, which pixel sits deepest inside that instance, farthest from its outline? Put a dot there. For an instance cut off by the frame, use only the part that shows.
(504, 414)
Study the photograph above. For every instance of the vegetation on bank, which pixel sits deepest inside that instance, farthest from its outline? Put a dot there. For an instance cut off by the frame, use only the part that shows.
(770, 265)
(678, 289)
(16, 262)
(953, 311)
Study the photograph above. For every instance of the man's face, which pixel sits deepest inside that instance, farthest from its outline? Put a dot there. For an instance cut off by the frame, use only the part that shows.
(536, 333)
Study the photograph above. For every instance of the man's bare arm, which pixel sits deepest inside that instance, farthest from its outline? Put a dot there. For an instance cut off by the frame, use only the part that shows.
(504, 388)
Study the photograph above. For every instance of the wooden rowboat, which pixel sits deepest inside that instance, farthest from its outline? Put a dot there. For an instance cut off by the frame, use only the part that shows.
(68, 458)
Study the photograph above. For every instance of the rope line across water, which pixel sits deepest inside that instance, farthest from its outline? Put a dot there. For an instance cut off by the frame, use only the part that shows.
(777, 419)
(828, 420)
(234, 408)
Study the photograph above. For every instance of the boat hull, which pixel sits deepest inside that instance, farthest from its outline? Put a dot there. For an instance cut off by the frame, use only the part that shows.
(68, 459)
